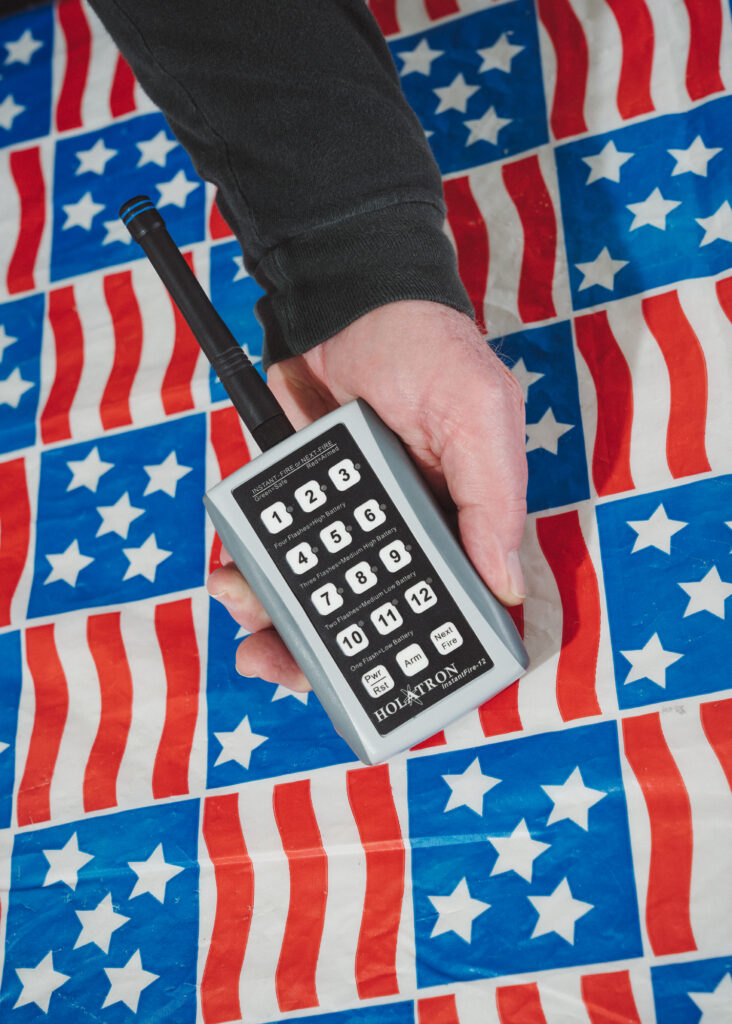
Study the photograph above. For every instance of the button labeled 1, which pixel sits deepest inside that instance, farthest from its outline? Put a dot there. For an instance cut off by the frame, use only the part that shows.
(276, 517)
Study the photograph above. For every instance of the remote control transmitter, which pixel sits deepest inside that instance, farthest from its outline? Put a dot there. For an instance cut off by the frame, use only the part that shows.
(344, 545)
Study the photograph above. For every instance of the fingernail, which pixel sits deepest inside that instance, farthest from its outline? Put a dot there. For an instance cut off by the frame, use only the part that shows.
(220, 595)
(515, 575)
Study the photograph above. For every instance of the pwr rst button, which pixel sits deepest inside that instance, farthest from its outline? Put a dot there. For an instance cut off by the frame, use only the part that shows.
(377, 680)
(446, 638)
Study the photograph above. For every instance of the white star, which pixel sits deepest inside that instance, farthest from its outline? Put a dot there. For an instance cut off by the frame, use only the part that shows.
(546, 433)
(82, 213)
(730, 526)
(655, 532)
(98, 925)
(280, 692)
(652, 211)
(241, 272)
(144, 561)
(525, 377)
(153, 874)
(5, 341)
(117, 518)
(165, 476)
(67, 564)
(22, 50)
(601, 270)
(9, 110)
(87, 471)
(718, 226)
(468, 788)
(456, 912)
(3, 746)
(66, 863)
(94, 159)
(716, 1006)
(39, 983)
(558, 912)
(116, 232)
(650, 662)
(419, 59)
(455, 96)
(572, 800)
(13, 388)
(707, 594)
(126, 983)
(499, 55)
(606, 163)
(693, 160)
(155, 150)
(517, 852)
(176, 191)
(239, 744)
(486, 128)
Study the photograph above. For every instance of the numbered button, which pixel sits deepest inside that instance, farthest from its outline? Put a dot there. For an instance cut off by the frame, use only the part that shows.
(412, 660)
(326, 599)
(335, 536)
(361, 577)
(386, 618)
(421, 596)
(301, 558)
(352, 639)
(310, 496)
(344, 474)
(395, 555)
(369, 515)
(276, 517)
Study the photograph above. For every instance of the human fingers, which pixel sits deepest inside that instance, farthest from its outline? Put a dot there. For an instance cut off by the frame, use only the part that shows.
(229, 587)
(263, 654)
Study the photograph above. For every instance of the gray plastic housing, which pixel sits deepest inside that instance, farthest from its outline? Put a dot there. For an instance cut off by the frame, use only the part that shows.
(489, 620)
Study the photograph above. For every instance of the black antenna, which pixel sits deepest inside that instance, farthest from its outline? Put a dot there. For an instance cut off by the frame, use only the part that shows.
(252, 399)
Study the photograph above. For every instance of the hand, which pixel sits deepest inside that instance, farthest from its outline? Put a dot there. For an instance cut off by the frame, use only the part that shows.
(428, 373)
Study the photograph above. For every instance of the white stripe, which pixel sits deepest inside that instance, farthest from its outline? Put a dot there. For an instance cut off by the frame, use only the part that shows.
(58, 64)
(588, 404)
(197, 767)
(9, 219)
(149, 696)
(605, 690)
(548, 69)
(467, 731)
(561, 999)
(708, 321)
(98, 357)
(406, 960)
(671, 35)
(640, 839)
(412, 16)
(561, 292)
(257, 996)
(158, 338)
(82, 721)
(335, 975)
(19, 603)
(605, 53)
(651, 394)
(711, 819)
(476, 1004)
(505, 249)
(95, 105)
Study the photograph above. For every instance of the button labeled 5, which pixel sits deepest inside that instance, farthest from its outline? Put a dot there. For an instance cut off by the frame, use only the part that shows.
(335, 536)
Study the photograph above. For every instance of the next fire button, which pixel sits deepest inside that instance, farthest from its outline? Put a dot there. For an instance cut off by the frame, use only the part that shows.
(446, 638)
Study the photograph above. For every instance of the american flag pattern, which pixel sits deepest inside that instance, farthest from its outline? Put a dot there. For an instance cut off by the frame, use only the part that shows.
(177, 843)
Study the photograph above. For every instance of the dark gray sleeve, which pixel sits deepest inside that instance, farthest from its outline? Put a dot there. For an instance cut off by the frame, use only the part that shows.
(293, 109)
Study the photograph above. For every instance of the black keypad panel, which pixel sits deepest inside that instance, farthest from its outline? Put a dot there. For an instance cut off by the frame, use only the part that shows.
(342, 546)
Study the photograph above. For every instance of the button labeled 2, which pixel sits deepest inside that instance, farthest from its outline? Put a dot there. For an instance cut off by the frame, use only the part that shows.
(310, 496)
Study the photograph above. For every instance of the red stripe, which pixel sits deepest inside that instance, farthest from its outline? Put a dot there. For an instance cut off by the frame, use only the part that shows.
(25, 167)
(372, 804)
(69, 340)
(471, 240)
(438, 740)
(234, 899)
(500, 714)
(568, 39)
(716, 720)
(441, 8)
(636, 32)
(702, 65)
(724, 295)
(127, 323)
(529, 194)
(687, 370)
(15, 514)
(52, 706)
(669, 877)
(115, 684)
(122, 93)
(438, 1010)
(519, 1004)
(230, 448)
(177, 639)
(608, 998)
(217, 226)
(176, 390)
(561, 540)
(76, 32)
(301, 841)
(384, 11)
(614, 387)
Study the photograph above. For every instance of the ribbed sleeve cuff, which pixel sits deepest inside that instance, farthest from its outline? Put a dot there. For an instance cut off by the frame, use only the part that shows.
(319, 282)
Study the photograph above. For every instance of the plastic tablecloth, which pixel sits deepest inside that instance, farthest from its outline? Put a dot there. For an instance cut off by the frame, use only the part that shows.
(179, 844)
